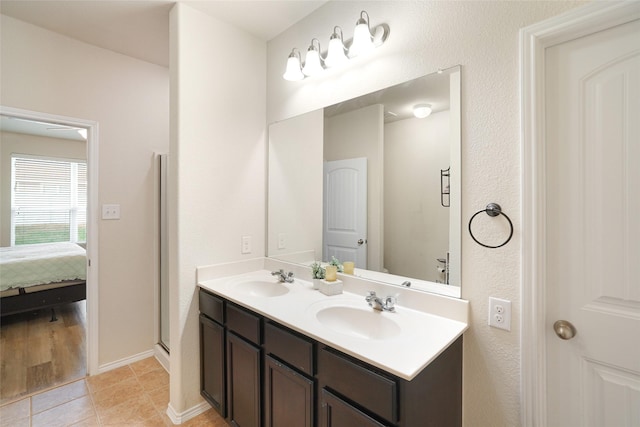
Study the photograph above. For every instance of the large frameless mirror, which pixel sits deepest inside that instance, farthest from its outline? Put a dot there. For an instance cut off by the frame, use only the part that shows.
(374, 180)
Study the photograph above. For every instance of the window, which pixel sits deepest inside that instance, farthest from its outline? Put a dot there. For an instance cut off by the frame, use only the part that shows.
(48, 200)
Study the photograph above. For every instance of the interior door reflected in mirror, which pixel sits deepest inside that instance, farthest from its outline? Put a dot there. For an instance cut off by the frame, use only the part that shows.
(374, 180)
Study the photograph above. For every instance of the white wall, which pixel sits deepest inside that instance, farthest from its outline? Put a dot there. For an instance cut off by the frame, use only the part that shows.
(18, 143)
(416, 225)
(360, 133)
(217, 168)
(47, 72)
(425, 36)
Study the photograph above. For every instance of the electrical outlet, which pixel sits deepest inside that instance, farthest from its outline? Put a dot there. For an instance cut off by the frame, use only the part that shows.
(246, 245)
(110, 211)
(282, 241)
(500, 313)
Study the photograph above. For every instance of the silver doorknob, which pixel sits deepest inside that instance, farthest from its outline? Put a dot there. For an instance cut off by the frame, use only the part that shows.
(360, 242)
(564, 329)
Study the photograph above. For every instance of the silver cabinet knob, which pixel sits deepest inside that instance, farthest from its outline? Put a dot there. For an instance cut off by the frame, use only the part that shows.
(360, 242)
(564, 329)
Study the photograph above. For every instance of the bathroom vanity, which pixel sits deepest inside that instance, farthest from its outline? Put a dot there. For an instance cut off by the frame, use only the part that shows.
(278, 354)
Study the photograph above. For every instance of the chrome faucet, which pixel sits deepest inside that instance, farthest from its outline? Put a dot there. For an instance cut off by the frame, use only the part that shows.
(282, 276)
(388, 304)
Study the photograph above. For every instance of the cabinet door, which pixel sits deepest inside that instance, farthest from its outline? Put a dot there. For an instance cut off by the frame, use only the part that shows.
(243, 370)
(289, 396)
(335, 412)
(212, 372)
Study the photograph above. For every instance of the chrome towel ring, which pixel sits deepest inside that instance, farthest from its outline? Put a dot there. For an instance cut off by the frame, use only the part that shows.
(492, 209)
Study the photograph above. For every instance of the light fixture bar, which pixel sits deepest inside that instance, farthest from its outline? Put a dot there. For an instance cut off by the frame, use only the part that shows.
(364, 41)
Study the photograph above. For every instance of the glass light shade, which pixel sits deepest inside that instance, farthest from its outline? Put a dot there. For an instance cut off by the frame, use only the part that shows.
(362, 40)
(335, 54)
(422, 110)
(312, 63)
(293, 71)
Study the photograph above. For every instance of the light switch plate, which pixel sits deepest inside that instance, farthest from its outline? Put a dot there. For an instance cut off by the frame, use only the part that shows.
(110, 211)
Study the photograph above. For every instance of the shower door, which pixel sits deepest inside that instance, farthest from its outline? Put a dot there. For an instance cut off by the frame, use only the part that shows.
(164, 255)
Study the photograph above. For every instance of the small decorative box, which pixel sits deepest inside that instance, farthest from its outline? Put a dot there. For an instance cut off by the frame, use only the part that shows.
(330, 288)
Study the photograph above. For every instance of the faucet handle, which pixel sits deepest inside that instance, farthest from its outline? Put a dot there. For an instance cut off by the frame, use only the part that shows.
(390, 303)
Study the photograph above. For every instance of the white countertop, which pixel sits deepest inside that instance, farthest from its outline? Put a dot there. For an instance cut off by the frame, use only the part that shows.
(421, 336)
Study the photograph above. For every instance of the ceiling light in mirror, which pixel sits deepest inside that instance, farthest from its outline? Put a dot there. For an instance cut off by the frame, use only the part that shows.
(421, 111)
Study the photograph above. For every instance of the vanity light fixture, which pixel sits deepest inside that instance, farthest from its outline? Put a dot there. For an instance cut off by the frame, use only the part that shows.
(422, 110)
(364, 40)
(336, 55)
(313, 60)
(294, 69)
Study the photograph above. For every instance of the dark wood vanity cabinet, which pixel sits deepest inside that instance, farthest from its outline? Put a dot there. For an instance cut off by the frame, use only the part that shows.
(354, 390)
(335, 412)
(256, 372)
(289, 383)
(244, 376)
(289, 396)
(212, 352)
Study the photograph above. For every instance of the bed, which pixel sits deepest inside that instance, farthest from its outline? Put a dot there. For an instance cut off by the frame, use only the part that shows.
(43, 275)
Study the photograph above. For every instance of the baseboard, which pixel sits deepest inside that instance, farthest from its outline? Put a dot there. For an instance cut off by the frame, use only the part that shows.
(194, 411)
(163, 357)
(126, 361)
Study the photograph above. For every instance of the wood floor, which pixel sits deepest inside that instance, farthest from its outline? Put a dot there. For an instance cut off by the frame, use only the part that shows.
(36, 354)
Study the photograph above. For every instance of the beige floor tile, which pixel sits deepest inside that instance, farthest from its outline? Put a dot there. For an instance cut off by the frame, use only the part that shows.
(117, 394)
(135, 410)
(160, 398)
(155, 421)
(65, 414)
(11, 413)
(57, 396)
(108, 379)
(146, 365)
(154, 380)
(209, 418)
(89, 422)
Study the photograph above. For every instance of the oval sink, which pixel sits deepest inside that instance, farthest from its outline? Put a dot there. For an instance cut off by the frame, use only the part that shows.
(361, 323)
(261, 288)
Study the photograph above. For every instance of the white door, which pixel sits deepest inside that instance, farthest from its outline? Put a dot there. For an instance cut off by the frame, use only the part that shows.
(345, 211)
(593, 228)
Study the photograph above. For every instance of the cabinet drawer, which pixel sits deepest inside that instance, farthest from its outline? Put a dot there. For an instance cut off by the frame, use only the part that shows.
(365, 387)
(335, 412)
(289, 347)
(243, 323)
(212, 306)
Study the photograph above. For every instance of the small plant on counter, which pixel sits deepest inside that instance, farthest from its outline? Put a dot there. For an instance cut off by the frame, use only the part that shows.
(336, 262)
(317, 272)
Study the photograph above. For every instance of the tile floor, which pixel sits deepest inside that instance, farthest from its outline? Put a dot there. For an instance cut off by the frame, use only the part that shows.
(133, 395)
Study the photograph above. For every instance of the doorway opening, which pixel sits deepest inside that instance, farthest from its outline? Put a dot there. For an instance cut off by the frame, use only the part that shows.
(48, 249)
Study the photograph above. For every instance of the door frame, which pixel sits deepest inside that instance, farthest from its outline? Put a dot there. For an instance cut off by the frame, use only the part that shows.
(92, 220)
(534, 40)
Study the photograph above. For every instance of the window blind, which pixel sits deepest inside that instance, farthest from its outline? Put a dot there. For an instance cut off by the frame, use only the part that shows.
(48, 200)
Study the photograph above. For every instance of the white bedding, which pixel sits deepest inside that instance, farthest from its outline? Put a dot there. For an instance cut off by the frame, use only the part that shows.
(28, 265)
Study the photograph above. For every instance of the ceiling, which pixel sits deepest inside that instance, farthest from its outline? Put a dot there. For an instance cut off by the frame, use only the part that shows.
(399, 100)
(48, 130)
(141, 28)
